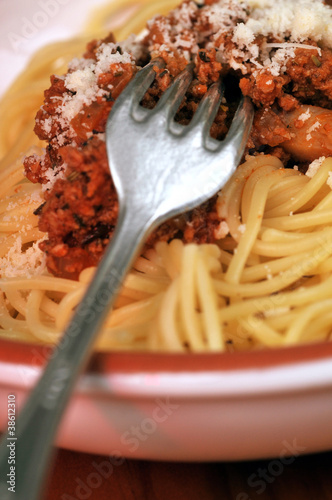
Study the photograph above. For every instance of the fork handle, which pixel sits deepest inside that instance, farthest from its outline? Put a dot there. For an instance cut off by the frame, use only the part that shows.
(39, 419)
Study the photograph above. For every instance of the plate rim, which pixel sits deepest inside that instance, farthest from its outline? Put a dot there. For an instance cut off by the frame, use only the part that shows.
(303, 368)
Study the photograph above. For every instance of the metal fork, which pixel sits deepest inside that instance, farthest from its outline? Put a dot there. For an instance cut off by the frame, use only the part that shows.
(160, 169)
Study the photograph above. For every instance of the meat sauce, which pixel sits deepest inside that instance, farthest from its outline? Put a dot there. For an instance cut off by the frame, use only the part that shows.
(80, 210)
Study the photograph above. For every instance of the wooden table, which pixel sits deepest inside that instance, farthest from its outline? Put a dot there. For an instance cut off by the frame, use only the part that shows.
(75, 477)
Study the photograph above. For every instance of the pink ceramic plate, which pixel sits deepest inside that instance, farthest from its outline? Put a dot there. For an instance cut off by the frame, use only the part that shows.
(189, 407)
(164, 406)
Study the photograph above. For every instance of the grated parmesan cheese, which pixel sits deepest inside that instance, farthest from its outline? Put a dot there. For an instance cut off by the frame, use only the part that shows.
(277, 63)
(291, 20)
(82, 80)
(286, 45)
(177, 31)
(245, 20)
(221, 231)
(17, 262)
(134, 46)
(298, 19)
(329, 180)
(269, 274)
(305, 116)
(223, 15)
(52, 175)
(315, 126)
(314, 166)
(47, 125)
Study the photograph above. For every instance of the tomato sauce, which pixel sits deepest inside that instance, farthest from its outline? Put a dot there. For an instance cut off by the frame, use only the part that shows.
(81, 208)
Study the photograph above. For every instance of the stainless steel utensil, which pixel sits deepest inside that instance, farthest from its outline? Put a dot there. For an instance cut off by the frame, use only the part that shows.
(160, 169)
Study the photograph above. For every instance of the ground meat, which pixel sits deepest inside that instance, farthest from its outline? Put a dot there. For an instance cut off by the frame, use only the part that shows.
(304, 133)
(80, 214)
(81, 207)
(80, 211)
(264, 88)
(308, 78)
(311, 77)
(268, 128)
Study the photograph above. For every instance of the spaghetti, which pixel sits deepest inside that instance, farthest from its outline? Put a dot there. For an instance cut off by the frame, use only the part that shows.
(264, 282)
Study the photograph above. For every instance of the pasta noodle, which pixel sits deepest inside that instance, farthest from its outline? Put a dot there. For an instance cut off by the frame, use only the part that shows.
(266, 284)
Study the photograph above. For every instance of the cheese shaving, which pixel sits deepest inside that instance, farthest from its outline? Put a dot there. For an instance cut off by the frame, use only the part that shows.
(18, 262)
(52, 175)
(315, 126)
(293, 20)
(329, 180)
(305, 116)
(82, 80)
(221, 231)
(314, 166)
